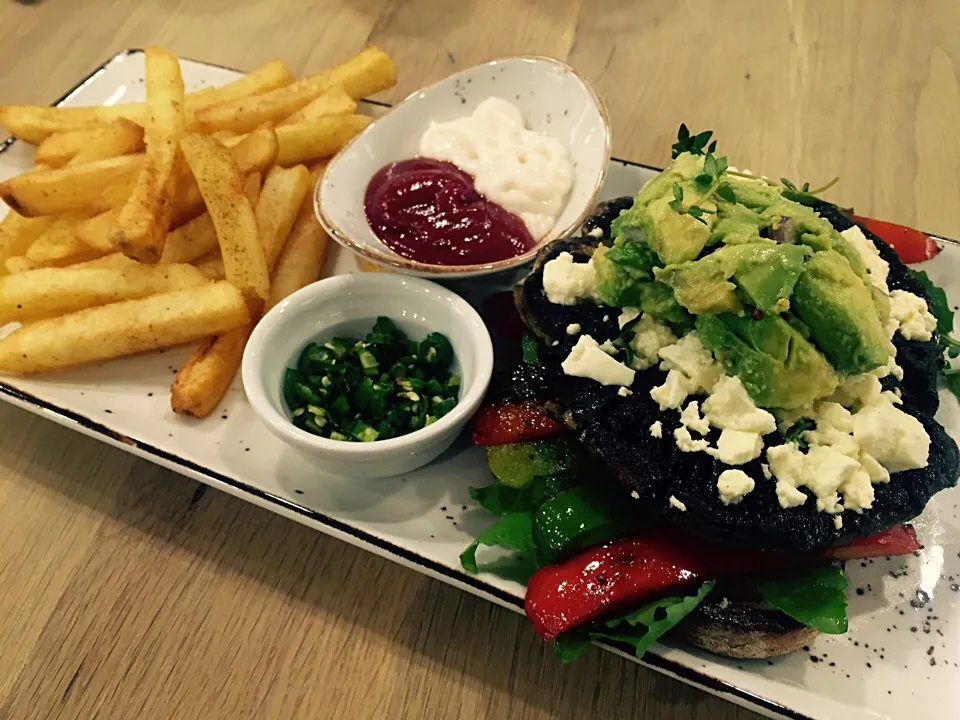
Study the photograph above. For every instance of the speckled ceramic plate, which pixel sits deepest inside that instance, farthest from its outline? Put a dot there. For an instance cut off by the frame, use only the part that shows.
(899, 660)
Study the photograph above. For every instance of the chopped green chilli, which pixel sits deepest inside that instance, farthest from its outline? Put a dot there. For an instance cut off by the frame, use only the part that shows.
(381, 387)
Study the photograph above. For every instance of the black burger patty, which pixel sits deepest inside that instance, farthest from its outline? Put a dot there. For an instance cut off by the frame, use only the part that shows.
(617, 430)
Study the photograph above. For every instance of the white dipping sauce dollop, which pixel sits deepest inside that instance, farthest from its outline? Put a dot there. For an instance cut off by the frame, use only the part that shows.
(522, 171)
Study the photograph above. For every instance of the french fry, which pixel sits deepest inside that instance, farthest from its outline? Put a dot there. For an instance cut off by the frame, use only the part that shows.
(367, 73)
(34, 123)
(18, 233)
(112, 197)
(222, 188)
(58, 243)
(199, 236)
(254, 152)
(334, 101)
(206, 375)
(21, 263)
(121, 137)
(123, 328)
(305, 251)
(204, 379)
(145, 218)
(59, 147)
(49, 292)
(50, 192)
(282, 195)
(113, 260)
(97, 231)
(315, 139)
(211, 265)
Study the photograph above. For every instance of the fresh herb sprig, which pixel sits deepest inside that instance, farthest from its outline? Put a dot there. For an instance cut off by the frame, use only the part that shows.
(710, 183)
(694, 144)
(803, 194)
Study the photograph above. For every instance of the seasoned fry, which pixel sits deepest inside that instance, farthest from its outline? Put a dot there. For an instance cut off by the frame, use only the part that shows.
(97, 231)
(21, 263)
(49, 192)
(198, 237)
(255, 152)
(49, 292)
(34, 123)
(222, 188)
(308, 141)
(58, 148)
(121, 137)
(305, 251)
(58, 242)
(145, 218)
(282, 195)
(18, 233)
(211, 265)
(334, 101)
(367, 73)
(113, 260)
(123, 328)
(206, 375)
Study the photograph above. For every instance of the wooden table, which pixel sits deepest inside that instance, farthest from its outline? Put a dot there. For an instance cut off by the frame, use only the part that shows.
(127, 591)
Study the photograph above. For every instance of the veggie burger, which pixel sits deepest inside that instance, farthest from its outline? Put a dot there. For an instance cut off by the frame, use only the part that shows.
(728, 388)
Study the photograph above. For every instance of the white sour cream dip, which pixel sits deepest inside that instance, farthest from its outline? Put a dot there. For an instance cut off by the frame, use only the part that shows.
(522, 171)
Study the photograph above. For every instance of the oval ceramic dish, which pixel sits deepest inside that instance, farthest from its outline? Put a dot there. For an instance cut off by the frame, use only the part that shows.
(554, 100)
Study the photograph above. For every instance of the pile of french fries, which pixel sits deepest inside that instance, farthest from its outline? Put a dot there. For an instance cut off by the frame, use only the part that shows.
(178, 219)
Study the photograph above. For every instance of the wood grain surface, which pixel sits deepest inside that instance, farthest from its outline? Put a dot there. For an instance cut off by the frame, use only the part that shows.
(127, 591)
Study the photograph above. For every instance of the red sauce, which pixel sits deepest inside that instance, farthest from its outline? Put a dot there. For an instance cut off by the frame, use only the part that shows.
(429, 211)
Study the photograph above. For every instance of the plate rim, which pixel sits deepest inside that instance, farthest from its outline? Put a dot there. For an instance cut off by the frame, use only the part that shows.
(388, 550)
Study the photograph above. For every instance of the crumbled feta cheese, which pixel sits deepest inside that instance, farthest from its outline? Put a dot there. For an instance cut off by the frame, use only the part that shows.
(730, 407)
(674, 391)
(573, 329)
(733, 486)
(897, 441)
(656, 430)
(606, 318)
(587, 360)
(690, 417)
(877, 267)
(788, 466)
(624, 392)
(877, 472)
(891, 368)
(609, 348)
(554, 343)
(686, 443)
(649, 337)
(596, 232)
(735, 447)
(838, 521)
(674, 503)
(858, 390)
(912, 315)
(566, 282)
(690, 357)
(724, 603)
(628, 315)
(765, 469)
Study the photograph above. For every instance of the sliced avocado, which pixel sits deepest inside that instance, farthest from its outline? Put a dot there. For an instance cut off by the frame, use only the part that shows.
(776, 365)
(674, 237)
(738, 226)
(841, 314)
(754, 194)
(768, 274)
(621, 268)
(685, 167)
(658, 300)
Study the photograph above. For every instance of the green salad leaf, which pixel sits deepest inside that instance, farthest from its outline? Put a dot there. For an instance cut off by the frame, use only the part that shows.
(513, 531)
(530, 349)
(499, 499)
(577, 518)
(814, 597)
(638, 628)
(940, 308)
(795, 432)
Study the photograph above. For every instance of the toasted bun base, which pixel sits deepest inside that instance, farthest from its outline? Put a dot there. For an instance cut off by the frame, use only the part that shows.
(741, 627)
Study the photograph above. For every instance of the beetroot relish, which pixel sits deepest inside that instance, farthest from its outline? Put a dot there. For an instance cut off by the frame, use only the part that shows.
(429, 211)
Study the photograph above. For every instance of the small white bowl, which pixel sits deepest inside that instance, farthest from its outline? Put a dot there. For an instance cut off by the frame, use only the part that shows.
(347, 306)
(554, 100)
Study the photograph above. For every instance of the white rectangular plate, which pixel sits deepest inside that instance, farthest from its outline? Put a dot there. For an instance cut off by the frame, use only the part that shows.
(897, 660)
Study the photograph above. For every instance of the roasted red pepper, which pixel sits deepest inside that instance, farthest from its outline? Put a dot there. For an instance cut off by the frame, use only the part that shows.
(504, 423)
(627, 572)
(898, 540)
(911, 245)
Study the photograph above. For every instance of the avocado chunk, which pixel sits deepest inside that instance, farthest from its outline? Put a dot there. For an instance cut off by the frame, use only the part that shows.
(517, 465)
(839, 310)
(764, 272)
(674, 237)
(738, 226)
(621, 268)
(754, 194)
(776, 365)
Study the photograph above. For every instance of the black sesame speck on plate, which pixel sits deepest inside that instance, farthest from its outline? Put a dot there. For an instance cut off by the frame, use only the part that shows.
(860, 591)
(933, 661)
(806, 648)
(109, 412)
(814, 659)
(869, 665)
